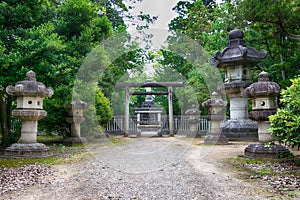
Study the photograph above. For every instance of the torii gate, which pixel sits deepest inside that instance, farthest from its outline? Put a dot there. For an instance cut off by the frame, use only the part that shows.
(168, 85)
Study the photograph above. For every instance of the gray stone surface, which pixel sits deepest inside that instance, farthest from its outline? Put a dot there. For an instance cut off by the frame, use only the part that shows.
(264, 103)
(216, 115)
(19, 150)
(263, 151)
(240, 130)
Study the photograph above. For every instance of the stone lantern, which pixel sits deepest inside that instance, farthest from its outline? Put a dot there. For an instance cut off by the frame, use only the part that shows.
(236, 60)
(193, 115)
(264, 103)
(30, 94)
(216, 115)
(75, 118)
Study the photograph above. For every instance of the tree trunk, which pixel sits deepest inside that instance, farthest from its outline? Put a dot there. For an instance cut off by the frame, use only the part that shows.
(281, 57)
(5, 119)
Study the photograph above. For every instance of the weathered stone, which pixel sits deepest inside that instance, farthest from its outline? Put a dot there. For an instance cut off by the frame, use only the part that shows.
(261, 115)
(240, 130)
(264, 100)
(236, 60)
(75, 118)
(237, 53)
(193, 114)
(216, 115)
(30, 94)
(31, 150)
(263, 151)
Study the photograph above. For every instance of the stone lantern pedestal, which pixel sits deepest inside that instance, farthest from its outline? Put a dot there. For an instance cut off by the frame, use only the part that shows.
(216, 115)
(29, 95)
(75, 111)
(264, 103)
(236, 60)
(193, 114)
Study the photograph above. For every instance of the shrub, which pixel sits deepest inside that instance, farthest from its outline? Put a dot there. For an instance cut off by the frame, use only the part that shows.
(285, 124)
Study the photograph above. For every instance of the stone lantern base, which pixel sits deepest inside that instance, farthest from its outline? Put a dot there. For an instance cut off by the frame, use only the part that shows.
(240, 130)
(261, 151)
(31, 150)
(149, 130)
(215, 139)
(75, 140)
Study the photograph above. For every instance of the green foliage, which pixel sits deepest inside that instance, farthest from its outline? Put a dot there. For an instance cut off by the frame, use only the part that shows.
(273, 26)
(103, 109)
(285, 123)
(52, 39)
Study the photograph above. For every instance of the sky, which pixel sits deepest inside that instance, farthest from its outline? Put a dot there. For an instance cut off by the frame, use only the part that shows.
(160, 8)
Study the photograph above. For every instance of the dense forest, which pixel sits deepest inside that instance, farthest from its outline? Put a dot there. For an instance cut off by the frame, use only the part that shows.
(53, 38)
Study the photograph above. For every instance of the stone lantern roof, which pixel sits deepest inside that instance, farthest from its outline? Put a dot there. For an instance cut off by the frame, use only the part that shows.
(193, 111)
(237, 52)
(29, 87)
(77, 104)
(214, 101)
(263, 87)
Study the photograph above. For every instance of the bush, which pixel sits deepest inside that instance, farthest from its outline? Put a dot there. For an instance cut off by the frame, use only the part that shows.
(285, 124)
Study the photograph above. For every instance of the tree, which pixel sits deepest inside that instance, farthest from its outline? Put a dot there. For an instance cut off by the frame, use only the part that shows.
(285, 123)
(16, 18)
(40, 36)
(274, 26)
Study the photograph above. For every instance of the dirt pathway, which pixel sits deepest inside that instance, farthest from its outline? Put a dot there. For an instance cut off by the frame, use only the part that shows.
(148, 168)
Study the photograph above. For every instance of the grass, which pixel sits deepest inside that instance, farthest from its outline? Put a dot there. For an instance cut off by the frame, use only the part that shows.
(49, 139)
(21, 162)
(60, 153)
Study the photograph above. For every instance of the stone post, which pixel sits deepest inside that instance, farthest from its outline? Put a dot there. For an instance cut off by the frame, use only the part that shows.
(264, 103)
(30, 94)
(171, 117)
(236, 60)
(215, 115)
(193, 115)
(75, 111)
(126, 112)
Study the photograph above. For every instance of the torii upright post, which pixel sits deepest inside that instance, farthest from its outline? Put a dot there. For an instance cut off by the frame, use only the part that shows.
(170, 100)
(126, 119)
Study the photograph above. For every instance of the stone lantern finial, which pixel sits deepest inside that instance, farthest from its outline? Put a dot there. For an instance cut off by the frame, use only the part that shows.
(30, 76)
(263, 76)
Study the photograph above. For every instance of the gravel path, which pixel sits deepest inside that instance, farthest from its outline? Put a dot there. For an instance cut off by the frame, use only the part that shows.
(147, 168)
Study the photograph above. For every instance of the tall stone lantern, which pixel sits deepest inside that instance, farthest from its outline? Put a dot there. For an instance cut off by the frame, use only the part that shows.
(75, 118)
(264, 103)
(216, 115)
(193, 115)
(236, 60)
(30, 94)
